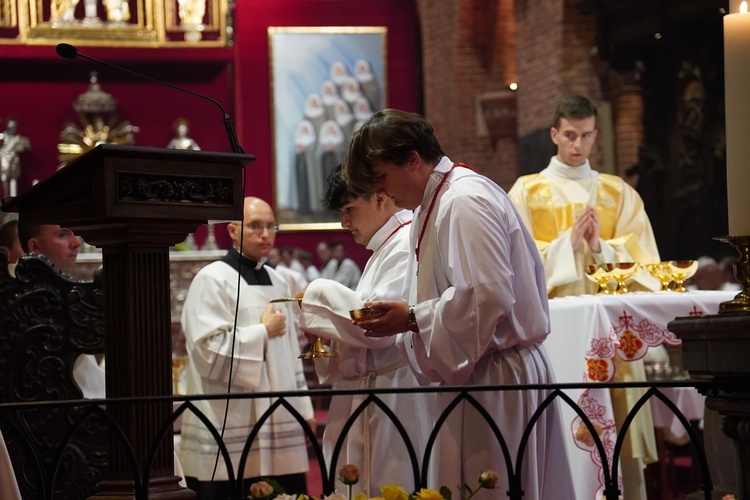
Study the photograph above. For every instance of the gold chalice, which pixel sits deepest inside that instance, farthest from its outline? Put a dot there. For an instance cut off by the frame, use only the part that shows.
(682, 270)
(598, 276)
(621, 272)
(662, 272)
(316, 349)
(179, 364)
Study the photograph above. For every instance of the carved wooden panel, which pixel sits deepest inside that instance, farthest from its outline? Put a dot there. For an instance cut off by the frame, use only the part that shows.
(47, 320)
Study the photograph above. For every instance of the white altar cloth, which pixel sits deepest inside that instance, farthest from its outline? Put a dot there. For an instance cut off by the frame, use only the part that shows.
(690, 402)
(586, 333)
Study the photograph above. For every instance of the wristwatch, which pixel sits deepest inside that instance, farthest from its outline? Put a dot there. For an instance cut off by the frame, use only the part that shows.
(412, 323)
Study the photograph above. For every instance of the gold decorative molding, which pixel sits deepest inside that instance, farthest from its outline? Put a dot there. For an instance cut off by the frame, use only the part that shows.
(115, 23)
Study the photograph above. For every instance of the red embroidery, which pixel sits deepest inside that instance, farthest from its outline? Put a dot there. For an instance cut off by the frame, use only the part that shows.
(432, 204)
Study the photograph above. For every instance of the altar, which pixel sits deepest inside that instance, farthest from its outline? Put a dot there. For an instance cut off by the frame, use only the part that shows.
(587, 332)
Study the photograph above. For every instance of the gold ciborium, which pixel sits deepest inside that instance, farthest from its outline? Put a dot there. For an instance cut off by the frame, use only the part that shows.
(365, 313)
(682, 270)
(662, 272)
(597, 275)
(621, 272)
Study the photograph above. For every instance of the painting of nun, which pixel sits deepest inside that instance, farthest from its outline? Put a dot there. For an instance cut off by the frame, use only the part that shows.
(315, 94)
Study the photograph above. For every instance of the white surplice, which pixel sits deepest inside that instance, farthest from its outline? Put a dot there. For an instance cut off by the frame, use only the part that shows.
(373, 444)
(570, 189)
(260, 364)
(482, 311)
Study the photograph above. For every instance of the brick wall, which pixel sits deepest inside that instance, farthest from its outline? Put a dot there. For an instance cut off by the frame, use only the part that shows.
(468, 49)
(472, 47)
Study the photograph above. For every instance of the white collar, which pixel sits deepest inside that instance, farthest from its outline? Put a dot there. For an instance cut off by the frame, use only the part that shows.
(556, 168)
(385, 231)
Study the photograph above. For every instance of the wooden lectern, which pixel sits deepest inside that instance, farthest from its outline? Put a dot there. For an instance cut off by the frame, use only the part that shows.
(134, 203)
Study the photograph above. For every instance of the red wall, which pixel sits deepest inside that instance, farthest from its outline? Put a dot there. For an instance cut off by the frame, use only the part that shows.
(253, 90)
(39, 87)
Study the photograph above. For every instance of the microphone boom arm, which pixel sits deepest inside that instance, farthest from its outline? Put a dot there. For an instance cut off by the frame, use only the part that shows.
(70, 52)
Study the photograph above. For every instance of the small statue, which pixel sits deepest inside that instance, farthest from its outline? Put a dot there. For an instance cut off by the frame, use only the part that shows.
(181, 139)
(191, 13)
(118, 11)
(11, 145)
(63, 12)
(92, 15)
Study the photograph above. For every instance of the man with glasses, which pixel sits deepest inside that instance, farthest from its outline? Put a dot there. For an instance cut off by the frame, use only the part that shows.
(255, 352)
(579, 217)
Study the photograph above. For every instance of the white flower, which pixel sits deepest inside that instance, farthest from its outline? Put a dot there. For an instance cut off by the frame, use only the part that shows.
(335, 496)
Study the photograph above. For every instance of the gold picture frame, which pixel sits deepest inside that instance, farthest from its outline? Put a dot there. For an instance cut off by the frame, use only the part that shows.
(121, 23)
(346, 68)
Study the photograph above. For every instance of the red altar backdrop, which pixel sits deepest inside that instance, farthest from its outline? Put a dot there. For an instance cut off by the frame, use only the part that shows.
(38, 87)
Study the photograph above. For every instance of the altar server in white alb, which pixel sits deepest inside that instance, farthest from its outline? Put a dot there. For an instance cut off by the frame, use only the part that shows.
(265, 351)
(579, 216)
(477, 312)
(373, 443)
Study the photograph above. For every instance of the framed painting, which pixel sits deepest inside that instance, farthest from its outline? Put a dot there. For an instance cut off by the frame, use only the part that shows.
(325, 82)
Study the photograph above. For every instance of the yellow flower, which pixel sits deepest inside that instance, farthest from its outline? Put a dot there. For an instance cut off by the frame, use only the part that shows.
(426, 494)
(360, 496)
(394, 492)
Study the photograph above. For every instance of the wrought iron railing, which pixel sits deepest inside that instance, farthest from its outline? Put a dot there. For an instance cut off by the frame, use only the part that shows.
(513, 458)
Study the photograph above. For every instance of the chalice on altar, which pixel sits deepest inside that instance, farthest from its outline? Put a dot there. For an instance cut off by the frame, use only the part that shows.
(621, 272)
(682, 270)
(597, 275)
(662, 272)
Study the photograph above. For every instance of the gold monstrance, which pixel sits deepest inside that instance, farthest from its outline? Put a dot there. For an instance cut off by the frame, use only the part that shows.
(100, 124)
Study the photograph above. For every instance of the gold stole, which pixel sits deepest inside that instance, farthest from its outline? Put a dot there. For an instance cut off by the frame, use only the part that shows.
(548, 221)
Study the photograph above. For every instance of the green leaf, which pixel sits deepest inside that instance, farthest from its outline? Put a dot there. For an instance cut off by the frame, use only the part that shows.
(447, 495)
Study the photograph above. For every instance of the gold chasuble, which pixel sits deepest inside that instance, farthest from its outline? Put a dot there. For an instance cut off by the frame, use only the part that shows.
(548, 220)
(549, 207)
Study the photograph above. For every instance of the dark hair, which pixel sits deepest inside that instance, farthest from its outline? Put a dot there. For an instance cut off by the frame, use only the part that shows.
(337, 192)
(576, 107)
(26, 232)
(389, 136)
(9, 233)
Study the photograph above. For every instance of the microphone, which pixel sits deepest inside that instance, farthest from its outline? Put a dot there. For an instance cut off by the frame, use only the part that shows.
(68, 51)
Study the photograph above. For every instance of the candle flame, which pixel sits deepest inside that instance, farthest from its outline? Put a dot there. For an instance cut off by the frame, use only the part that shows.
(743, 7)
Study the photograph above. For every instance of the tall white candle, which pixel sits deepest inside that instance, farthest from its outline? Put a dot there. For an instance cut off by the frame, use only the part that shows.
(737, 100)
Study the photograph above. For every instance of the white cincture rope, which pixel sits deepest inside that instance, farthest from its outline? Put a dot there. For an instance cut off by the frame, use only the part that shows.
(370, 377)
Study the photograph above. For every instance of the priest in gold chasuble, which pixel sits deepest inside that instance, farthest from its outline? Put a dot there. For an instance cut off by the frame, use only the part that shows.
(577, 217)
